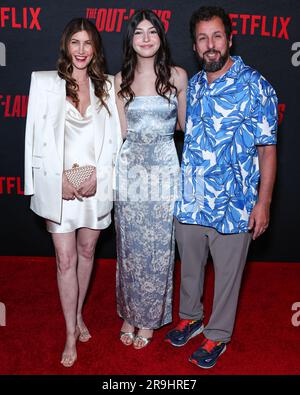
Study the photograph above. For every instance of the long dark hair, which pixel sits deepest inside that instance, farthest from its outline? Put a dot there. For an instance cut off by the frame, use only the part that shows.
(162, 62)
(96, 67)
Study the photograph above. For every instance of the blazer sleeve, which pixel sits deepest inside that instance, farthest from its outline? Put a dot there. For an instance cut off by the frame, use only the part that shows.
(29, 136)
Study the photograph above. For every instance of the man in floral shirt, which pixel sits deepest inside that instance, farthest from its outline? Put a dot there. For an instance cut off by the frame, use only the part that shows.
(228, 173)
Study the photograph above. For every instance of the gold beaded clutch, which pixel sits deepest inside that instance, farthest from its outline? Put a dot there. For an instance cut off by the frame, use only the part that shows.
(78, 174)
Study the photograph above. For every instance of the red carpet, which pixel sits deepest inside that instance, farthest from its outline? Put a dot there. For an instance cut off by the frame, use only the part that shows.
(264, 341)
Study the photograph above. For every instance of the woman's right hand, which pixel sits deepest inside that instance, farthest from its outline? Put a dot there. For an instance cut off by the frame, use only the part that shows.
(68, 191)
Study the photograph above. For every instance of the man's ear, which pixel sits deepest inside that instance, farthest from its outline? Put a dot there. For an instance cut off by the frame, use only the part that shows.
(230, 41)
(194, 47)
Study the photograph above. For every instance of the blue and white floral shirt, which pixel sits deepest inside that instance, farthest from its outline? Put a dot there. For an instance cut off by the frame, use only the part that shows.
(225, 122)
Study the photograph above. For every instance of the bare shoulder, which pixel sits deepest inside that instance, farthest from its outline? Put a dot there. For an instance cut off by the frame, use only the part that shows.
(179, 77)
(118, 78)
(178, 74)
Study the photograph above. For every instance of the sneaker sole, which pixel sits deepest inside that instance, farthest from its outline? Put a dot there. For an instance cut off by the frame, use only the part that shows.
(196, 333)
(194, 362)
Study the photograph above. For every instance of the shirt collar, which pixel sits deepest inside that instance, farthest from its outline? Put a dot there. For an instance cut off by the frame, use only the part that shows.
(233, 72)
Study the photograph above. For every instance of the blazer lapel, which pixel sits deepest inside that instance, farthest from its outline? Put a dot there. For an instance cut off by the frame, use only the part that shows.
(99, 118)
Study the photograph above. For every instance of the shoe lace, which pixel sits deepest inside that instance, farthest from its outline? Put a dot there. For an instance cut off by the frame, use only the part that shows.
(183, 324)
(209, 345)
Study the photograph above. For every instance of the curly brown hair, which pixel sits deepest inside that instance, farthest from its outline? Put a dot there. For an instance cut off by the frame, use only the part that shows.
(95, 69)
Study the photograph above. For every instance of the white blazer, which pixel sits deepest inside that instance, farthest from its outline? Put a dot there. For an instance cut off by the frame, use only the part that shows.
(44, 145)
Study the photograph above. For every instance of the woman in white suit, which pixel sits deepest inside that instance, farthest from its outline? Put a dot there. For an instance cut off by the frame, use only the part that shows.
(72, 121)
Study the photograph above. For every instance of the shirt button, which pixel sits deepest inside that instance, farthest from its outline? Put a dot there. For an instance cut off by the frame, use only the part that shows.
(45, 173)
(110, 141)
(45, 144)
(45, 116)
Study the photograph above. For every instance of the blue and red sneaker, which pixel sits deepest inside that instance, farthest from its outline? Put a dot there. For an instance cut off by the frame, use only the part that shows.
(184, 331)
(207, 354)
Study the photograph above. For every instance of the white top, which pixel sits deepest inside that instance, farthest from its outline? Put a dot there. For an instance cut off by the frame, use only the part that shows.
(79, 137)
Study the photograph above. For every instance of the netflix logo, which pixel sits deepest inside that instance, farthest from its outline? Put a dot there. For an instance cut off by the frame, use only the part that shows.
(112, 19)
(10, 186)
(14, 106)
(20, 18)
(260, 25)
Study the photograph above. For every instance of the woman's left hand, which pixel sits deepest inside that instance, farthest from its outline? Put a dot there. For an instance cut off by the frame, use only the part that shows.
(89, 187)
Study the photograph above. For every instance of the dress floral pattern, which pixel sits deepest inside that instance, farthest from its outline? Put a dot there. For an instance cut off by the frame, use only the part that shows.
(225, 122)
(147, 186)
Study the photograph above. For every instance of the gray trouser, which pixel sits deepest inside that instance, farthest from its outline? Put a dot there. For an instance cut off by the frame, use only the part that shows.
(229, 254)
